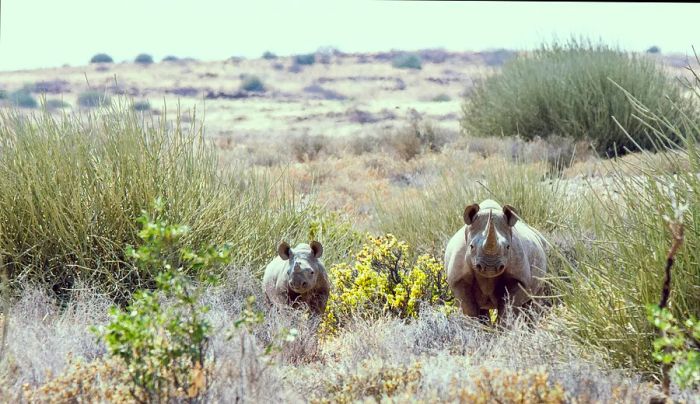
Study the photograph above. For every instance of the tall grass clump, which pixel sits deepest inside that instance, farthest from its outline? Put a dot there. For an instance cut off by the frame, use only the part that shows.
(428, 219)
(566, 90)
(81, 180)
(620, 270)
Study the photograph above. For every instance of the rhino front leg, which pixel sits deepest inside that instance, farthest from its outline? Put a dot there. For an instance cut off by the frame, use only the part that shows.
(514, 296)
(461, 290)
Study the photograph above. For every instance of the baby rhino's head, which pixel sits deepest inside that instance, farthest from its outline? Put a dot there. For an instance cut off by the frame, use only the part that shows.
(304, 269)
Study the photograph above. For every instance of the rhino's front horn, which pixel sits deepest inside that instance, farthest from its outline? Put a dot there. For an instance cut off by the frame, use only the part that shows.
(491, 246)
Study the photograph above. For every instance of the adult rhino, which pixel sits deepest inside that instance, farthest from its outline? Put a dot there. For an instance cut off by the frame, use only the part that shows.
(493, 258)
(298, 276)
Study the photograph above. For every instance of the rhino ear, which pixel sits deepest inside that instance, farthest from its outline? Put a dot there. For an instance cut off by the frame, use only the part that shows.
(284, 250)
(511, 215)
(470, 213)
(317, 248)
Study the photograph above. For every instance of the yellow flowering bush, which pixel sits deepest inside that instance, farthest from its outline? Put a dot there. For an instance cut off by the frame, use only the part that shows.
(385, 279)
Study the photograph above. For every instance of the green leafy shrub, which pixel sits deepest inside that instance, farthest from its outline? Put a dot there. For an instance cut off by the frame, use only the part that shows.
(23, 98)
(107, 167)
(101, 58)
(165, 348)
(305, 60)
(679, 346)
(144, 59)
(384, 279)
(91, 99)
(569, 90)
(252, 84)
(618, 268)
(407, 61)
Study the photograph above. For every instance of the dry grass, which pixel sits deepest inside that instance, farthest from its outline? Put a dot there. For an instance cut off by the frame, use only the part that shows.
(50, 357)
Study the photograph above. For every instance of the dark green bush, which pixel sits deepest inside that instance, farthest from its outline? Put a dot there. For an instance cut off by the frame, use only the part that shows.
(407, 61)
(3, 95)
(307, 59)
(23, 98)
(569, 90)
(144, 59)
(171, 58)
(90, 99)
(252, 84)
(269, 55)
(101, 58)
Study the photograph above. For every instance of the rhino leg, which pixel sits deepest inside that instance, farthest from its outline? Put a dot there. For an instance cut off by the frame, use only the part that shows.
(466, 301)
(515, 296)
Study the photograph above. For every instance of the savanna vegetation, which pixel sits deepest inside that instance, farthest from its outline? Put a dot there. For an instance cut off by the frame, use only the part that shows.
(132, 249)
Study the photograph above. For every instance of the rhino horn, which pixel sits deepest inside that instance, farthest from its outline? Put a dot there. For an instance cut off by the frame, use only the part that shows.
(491, 246)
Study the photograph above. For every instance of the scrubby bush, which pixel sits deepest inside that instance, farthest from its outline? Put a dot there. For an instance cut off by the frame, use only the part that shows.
(56, 104)
(305, 60)
(72, 225)
(101, 58)
(269, 55)
(654, 49)
(252, 84)
(144, 59)
(91, 99)
(442, 98)
(171, 58)
(142, 105)
(3, 94)
(407, 61)
(570, 90)
(23, 98)
(386, 278)
(620, 268)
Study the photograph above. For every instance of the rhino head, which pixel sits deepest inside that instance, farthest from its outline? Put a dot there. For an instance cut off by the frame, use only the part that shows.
(489, 235)
(303, 269)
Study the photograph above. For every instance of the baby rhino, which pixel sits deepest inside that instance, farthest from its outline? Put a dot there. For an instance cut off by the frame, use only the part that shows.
(297, 276)
(494, 257)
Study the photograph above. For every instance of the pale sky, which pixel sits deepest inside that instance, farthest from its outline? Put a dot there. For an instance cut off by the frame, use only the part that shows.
(46, 33)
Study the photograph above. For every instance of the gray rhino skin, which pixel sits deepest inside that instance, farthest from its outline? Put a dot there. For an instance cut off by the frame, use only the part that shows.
(297, 276)
(494, 257)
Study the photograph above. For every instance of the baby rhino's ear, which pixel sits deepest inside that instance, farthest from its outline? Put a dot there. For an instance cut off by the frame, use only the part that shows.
(317, 248)
(284, 250)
